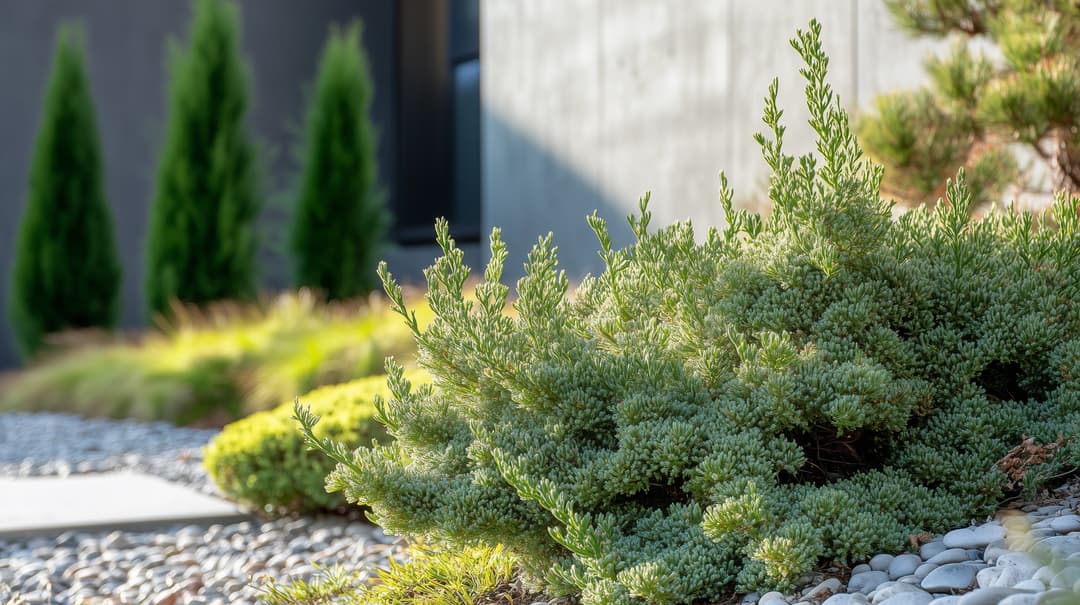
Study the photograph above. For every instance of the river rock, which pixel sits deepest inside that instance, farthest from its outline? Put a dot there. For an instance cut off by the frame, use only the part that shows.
(1066, 524)
(909, 598)
(903, 565)
(974, 537)
(844, 598)
(952, 555)
(947, 578)
(930, 549)
(867, 581)
(922, 570)
(881, 562)
(1020, 599)
(987, 596)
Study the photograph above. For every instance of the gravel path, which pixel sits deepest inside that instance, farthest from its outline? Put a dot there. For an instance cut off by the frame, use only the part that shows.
(1027, 558)
(62, 444)
(179, 565)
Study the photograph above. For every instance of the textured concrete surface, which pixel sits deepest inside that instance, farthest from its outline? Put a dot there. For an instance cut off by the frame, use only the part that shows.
(589, 103)
(103, 501)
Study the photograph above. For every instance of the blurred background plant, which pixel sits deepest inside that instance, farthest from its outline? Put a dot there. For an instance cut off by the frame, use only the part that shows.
(214, 363)
(1009, 89)
(66, 272)
(201, 246)
(341, 215)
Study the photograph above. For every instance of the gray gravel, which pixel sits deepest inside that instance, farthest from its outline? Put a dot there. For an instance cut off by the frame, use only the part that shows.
(179, 565)
(63, 444)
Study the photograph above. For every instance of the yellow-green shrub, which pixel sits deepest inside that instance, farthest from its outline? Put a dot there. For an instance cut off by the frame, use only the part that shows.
(231, 358)
(262, 460)
(462, 576)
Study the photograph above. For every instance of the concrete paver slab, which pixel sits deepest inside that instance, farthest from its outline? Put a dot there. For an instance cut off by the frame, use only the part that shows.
(118, 500)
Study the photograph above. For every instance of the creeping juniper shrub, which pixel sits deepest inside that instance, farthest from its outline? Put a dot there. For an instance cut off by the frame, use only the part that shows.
(727, 414)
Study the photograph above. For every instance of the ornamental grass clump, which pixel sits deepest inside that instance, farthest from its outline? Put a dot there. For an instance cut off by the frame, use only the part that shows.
(819, 385)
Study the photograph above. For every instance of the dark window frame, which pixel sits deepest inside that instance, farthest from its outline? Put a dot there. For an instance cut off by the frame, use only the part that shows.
(425, 126)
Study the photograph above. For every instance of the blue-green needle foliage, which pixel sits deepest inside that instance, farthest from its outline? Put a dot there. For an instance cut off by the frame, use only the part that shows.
(66, 273)
(703, 416)
(341, 214)
(202, 245)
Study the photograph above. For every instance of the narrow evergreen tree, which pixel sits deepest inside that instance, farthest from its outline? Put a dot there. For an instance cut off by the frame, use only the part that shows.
(340, 213)
(66, 274)
(202, 241)
(978, 106)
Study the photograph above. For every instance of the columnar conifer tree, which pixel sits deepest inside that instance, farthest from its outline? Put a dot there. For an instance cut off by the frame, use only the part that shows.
(202, 240)
(340, 213)
(976, 106)
(66, 273)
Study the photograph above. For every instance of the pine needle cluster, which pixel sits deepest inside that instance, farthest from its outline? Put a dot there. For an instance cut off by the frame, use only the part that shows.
(1010, 84)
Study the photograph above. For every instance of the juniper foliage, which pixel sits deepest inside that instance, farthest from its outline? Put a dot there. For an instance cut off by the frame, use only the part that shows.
(818, 385)
(202, 242)
(66, 273)
(979, 105)
(341, 214)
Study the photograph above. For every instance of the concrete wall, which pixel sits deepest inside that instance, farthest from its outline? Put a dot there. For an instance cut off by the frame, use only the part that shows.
(589, 103)
(126, 59)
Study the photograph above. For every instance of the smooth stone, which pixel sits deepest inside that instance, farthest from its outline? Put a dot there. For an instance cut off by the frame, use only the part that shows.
(750, 599)
(772, 596)
(974, 554)
(1061, 546)
(910, 580)
(1032, 584)
(925, 568)
(987, 596)
(860, 568)
(1066, 578)
(946, 600)
(976, 537)
(881, 562)
(1021, 561)
(954, 576)
(830, 586)
(909, 598)
(846, 599)
(931, 549)
(773, 601)
(893, 590)
(903, 565)
(1011, 576)
(1020, 599)
(867, 581)
(994, 551)
(1066, 524)
(986, 577)
(952, 555)
(1045, 574)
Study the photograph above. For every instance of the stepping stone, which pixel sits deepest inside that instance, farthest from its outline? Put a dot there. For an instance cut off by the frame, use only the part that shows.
(39, 505)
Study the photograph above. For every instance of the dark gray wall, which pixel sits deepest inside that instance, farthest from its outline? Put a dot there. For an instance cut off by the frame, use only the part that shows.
(127, 62)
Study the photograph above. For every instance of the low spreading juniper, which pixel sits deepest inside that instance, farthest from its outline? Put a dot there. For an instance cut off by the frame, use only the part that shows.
(729, 413)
